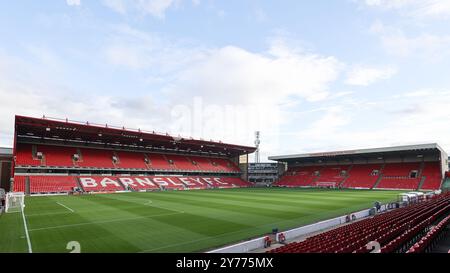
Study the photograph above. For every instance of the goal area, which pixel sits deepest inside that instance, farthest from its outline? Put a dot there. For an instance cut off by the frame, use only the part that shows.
(15, 201)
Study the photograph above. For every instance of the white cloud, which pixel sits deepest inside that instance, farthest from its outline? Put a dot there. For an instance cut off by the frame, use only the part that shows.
(254, 86)
(415, 8)
(364, 76)
(238, 74)
(411, 117)
(134, 49)
(247, 77)
(155, 8)
(396, 42)
(116, 5)
(73, 2)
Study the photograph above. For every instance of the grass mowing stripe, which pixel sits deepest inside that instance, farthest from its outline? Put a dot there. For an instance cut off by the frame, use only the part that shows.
(148, 202)
(104, 222)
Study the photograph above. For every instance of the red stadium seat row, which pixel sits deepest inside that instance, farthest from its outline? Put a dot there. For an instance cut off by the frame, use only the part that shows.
(56, 156)
(392, 230)
(299, 176)
(19, 184)
(433, 180)
(399, 183)
(433, 235)
(362, 176)
(52, 184)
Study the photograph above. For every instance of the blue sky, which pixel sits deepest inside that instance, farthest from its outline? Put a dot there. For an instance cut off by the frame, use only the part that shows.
(310, 75)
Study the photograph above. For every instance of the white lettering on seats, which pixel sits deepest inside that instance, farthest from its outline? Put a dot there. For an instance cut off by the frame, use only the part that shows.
(173, 182)
(186, 181)
(160, 181)
(127, 181)
(106, 181)
(208, 180)
(217, 179)
(88, 182)
(144, 181)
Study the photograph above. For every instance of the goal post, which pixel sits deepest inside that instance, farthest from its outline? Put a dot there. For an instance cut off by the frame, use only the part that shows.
(15, 201)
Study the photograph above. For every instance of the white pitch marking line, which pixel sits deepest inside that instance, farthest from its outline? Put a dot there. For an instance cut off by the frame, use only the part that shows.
(65, 206)
(150, 203)
(30, 249)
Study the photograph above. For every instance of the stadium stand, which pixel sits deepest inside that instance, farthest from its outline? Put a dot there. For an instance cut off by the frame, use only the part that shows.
(332, 174)
(62, 156)
(94, 158)
(395, 230)
(362, 176)
(181, 162)
(56, 156)
(63, 184)
(129, 160)
(25, 157)
(390, 176)
(400, 176)
(299, 176)
(398, 183)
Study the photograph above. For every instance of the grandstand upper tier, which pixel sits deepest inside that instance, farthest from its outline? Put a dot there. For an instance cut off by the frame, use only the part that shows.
(411, 167)
(52, 155)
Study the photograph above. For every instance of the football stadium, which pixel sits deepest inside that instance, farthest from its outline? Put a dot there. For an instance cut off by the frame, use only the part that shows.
(224, 135)
(69, 186)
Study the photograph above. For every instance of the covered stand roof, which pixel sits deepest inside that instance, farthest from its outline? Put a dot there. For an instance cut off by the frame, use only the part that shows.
(72, 132)
(360, 153)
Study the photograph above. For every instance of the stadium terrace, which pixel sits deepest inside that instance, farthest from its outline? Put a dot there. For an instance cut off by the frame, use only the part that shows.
(153, 192)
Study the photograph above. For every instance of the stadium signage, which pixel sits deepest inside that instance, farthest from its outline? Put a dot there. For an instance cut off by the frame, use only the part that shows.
(331, 153)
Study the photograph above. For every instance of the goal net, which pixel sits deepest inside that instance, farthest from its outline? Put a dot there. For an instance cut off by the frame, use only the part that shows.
(326, 184)
(15, 201)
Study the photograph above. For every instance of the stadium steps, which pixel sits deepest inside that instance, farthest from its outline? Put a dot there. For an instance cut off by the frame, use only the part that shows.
(77, 179)
(117, 163)
(80, 155)
(122, 185)
(313, 182)
(27, 185)
(346, 177)
(422, 166)
(34, 152)
(191, 161)
(148, 165)
(380, 176)
(422, 181)
(446, 184)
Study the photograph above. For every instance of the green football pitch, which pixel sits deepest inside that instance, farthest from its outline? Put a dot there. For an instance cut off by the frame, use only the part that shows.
(177, 221)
